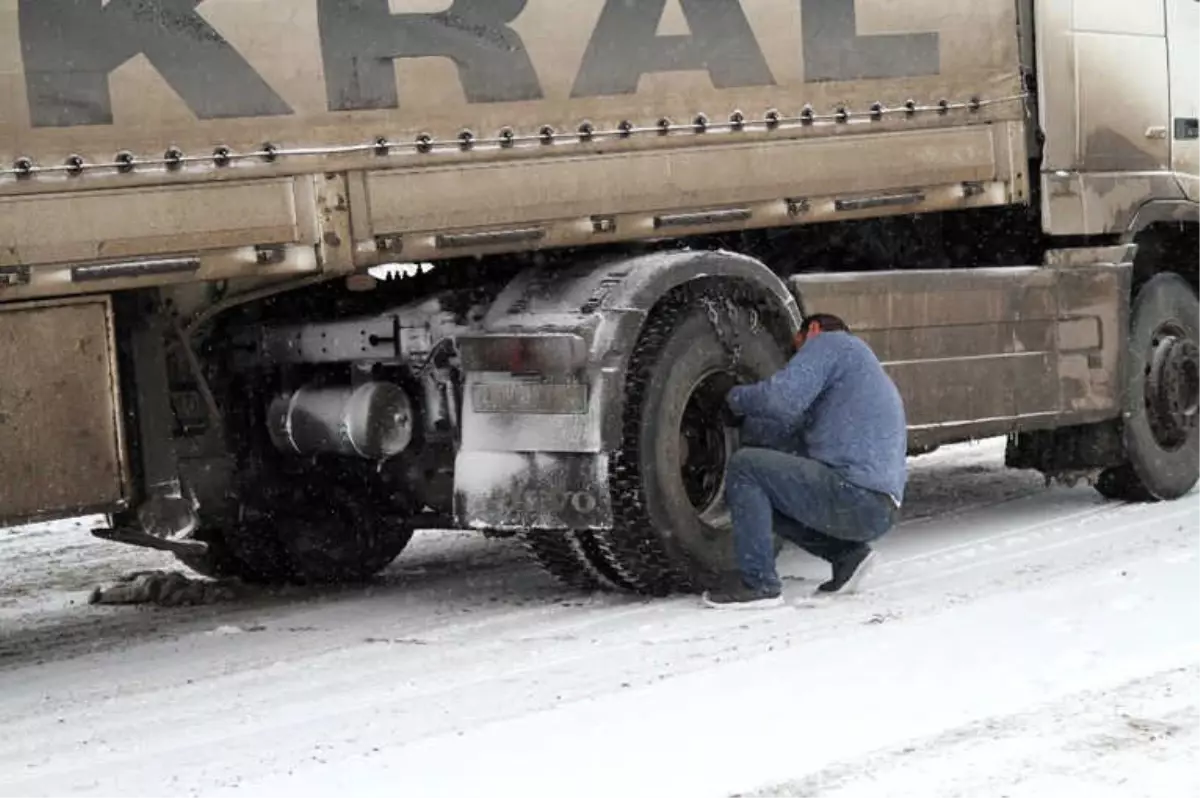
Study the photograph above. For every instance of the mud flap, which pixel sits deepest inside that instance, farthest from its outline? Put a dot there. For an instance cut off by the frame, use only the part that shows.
(514, 491)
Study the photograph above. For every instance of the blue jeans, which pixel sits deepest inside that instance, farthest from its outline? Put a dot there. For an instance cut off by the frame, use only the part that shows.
(804, 501)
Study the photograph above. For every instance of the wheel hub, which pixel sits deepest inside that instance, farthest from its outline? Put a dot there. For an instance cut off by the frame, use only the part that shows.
(1172, 389)
(704, 445)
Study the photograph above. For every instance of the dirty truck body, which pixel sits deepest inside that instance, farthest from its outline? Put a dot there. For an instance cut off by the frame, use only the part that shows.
(602, 204)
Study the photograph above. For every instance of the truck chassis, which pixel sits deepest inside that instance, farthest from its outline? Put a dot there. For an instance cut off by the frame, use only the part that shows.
(194, 343)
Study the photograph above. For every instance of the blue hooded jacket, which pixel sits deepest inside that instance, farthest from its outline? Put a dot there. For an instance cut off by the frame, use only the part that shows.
(833, 402)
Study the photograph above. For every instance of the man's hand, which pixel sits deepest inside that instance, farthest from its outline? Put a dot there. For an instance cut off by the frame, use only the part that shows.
(722, 385)
(730, 418)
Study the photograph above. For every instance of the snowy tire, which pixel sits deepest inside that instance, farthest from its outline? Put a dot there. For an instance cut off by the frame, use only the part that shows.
(671, 526)
(338, 540)
(239, 552)
(329, 538)
(1161, 433)
(572, 558)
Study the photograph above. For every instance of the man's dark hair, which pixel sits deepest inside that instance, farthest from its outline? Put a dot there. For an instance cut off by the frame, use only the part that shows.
(828, 322)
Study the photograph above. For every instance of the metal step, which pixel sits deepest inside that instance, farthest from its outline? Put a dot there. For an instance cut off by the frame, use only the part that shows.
(136, 537)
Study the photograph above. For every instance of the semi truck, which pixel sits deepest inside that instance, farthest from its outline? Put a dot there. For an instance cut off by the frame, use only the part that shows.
(283, 283)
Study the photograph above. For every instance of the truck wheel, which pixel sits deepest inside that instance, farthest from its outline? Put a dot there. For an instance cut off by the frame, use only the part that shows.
(555, 553)
(572, 558)
(337, 539)
(246, 551)
(1162, 443)
(331, 538)
(671, 525)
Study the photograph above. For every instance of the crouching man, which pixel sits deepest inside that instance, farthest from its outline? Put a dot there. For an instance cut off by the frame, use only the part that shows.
(824, 466)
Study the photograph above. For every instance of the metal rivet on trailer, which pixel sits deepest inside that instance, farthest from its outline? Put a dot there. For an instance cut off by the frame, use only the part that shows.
(626, 128)
(174, 157)
(546, 134)
(125, 161)
(586, 131)
(772, 117)
(270, 153)
(466, 140)
(23, 166)
(74, 164)
(13, 275)
(700, 123)
(389, 243)
(604, 224)
(876, 111)
(972, 188)
(841, 114)
(424, 143)
(222, 155)
(664, 126)
(506, 137)
(382, 147)
(266, 255)
(797, 207)
(737, 120)
(807, 114)
(910, 107)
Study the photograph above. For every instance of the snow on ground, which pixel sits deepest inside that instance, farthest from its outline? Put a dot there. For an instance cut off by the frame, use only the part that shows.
(1016, 641)
(1135, 740)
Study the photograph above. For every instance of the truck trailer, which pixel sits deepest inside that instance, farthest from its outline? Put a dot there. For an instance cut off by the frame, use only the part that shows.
(600, 210)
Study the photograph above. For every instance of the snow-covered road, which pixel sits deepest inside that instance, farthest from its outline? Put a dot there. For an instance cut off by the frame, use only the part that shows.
(1016, 640)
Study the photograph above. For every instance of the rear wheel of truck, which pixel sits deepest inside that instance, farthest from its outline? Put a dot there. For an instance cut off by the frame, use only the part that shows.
(239, 552)
(337, 537)
(1162, 395)
(565, 556)
(327, 536)
(671, 524)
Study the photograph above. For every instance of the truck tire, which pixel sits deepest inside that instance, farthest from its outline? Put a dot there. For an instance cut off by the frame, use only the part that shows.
(331, 539)
(1161, 433)
(572, 559)
(671, 527)
(338, 539)
(243, 551)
